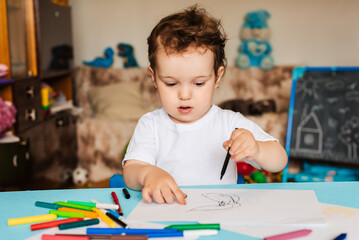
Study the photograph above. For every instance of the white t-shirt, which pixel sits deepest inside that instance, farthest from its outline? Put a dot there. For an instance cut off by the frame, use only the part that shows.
(193, 153)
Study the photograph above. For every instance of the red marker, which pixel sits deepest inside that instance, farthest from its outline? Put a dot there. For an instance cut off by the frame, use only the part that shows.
(55, 223)
(115, 200)
(60, 237)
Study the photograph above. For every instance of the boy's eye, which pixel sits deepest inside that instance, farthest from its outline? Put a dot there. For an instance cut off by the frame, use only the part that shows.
(199, 83)
(170, 84)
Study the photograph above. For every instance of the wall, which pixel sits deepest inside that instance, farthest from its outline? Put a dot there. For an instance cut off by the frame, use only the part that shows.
(316, 33)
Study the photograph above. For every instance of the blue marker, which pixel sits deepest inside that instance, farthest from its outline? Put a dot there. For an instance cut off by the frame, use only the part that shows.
(152, 233)
(136, 231)
(341, 237)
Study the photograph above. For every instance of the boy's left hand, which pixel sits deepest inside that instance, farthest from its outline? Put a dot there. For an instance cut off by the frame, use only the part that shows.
(243, 145)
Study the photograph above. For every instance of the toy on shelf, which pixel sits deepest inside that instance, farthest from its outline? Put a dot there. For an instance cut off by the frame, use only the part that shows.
(104, 62)
(62, 56)
(127, 53)
(7, 116)
(80, 176)
(255, 49)
(47, 96)
(324, 173)
(253, 175)
(3, 70)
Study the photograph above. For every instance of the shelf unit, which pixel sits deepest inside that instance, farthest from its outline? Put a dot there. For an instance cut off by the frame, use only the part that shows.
(25, 30)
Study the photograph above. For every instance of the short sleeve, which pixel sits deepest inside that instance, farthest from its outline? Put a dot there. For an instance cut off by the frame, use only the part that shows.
(142, 145)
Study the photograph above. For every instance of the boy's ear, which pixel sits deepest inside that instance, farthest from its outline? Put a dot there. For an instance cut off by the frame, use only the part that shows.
(220, 73)
(153, 77)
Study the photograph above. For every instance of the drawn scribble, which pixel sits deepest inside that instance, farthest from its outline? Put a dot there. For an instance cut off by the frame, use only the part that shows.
(309, 135)
(307, 88)
(221, 201)
(349, 135)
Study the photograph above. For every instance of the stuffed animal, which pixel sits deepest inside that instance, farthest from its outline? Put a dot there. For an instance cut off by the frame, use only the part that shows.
(80, 176)
(126, 52)
(255, 49)
(104, 62)
(3, 70)
(7, 116)
(62, 56)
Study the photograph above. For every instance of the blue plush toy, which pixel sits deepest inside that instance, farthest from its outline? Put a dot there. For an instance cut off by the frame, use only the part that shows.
(126, 52)
(255, 53)
(255, 49)
(104, 62)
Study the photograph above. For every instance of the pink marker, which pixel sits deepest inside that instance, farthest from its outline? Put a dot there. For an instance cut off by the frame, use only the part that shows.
(290, 235)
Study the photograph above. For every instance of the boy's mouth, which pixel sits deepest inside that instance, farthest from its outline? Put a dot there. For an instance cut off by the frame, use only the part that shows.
(185, 109)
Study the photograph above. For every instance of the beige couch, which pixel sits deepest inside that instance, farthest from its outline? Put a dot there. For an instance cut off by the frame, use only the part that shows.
(114, 99)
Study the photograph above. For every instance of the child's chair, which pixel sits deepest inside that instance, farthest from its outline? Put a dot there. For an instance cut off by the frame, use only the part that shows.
(116, 181)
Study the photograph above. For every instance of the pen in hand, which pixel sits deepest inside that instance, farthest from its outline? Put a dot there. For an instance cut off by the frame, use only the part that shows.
(225, 164)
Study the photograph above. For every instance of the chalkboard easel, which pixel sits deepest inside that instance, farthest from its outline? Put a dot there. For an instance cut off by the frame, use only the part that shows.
(323, 118)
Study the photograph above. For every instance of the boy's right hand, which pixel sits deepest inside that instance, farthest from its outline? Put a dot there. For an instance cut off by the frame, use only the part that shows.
(162, 188)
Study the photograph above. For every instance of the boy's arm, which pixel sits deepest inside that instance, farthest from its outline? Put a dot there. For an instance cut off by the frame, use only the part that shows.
(272, 156)
(154, 182)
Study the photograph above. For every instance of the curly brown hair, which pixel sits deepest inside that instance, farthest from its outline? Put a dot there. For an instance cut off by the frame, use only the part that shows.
(193, 26)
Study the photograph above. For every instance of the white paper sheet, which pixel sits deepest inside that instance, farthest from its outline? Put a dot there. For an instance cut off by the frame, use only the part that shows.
(237, 206)
(339, 220)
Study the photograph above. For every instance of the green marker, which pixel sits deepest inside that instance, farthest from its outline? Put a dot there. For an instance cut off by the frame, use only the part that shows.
(89, 204)
(197, 226)
(79, 224)
(67, 214)
(46, 205)
(72, 205)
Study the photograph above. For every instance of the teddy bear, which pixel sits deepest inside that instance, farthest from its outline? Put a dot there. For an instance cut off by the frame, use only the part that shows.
(255, 49)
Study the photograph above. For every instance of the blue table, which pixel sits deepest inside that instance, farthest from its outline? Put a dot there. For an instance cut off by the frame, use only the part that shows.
(21, 203)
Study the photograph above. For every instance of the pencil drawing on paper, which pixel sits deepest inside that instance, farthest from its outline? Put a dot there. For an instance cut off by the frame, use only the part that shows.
(220, 201)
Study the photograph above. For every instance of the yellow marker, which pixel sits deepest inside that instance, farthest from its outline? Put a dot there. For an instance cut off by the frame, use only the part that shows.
(88, 214)
(104, 218)
(31, 219)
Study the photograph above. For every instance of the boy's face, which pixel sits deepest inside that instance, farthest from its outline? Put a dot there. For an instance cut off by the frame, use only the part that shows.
(186, 83)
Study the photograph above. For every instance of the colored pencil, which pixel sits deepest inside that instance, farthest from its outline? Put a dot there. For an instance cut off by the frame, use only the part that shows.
(198, 226)
(51, 224)
(119, 217)
(135, 231)
(73, 205)
(117, 220)
(79, 224)
(31, 219)
(95, 204)
(67, 214)
(290, 235)
(115, 200)
(46, 205)
(126, 193)
(104, 218)
(69, 237)
(88, 214)
(112, 237)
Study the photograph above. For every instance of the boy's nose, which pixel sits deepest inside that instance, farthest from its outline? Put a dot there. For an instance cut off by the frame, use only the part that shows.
(184, 93)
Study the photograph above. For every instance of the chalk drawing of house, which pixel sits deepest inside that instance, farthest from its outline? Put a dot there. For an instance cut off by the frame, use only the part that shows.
(309, 135)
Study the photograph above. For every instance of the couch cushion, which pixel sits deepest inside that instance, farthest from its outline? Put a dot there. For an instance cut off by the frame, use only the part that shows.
(118, 101)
